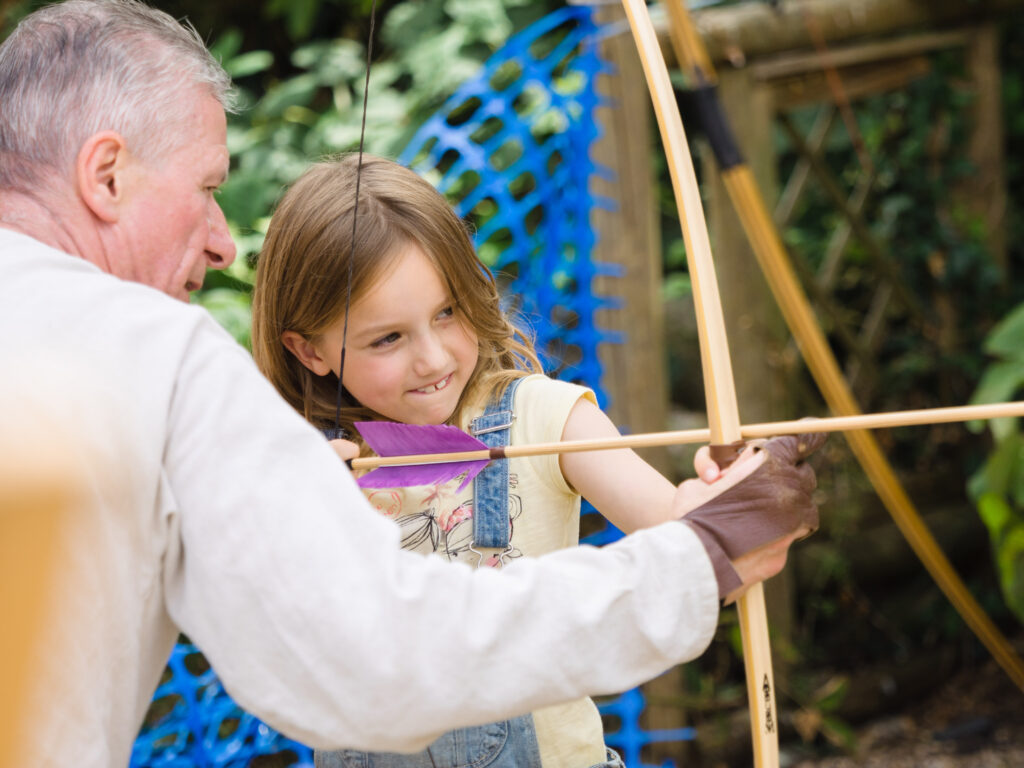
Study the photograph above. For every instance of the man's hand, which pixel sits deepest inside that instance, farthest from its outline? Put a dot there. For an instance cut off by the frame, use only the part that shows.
(749, 516)
(760, 564)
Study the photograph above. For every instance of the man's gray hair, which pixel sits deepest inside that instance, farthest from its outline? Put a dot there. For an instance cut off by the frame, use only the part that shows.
(71, 70)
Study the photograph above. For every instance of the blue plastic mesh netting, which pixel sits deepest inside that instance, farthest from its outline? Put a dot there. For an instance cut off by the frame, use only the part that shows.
(511, 149)
(193, 723)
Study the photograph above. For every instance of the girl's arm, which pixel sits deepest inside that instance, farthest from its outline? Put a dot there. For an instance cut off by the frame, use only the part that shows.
(623, 487)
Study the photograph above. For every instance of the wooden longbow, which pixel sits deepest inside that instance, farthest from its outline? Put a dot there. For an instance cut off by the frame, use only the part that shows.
(719, 388)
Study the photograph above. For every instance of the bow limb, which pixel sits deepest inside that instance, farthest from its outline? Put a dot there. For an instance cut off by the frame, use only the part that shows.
(795, 307)
(720, 391)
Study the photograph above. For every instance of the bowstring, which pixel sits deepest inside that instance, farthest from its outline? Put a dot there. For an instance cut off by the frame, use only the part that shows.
(338, 431)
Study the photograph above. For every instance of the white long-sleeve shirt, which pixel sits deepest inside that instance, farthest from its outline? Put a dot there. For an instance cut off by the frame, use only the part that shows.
(215, 510)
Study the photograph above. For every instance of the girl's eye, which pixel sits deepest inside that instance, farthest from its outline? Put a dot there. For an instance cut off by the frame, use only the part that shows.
(384, 341)
(447, 312)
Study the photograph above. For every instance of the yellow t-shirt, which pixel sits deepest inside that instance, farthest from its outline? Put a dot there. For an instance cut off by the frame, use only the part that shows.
(544, 511)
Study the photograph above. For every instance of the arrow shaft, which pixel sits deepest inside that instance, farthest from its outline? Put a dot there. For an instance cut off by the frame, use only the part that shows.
(688, 436)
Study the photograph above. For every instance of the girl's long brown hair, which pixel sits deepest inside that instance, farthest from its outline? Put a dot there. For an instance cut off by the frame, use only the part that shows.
(303, 268)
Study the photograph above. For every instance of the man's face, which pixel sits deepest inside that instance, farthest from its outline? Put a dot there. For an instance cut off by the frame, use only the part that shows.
(172, 228)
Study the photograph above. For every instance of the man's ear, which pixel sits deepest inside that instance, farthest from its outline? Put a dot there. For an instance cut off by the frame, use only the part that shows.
(305, 352)
(99, 174)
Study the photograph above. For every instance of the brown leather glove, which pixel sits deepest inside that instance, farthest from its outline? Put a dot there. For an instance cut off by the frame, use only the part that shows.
(760, 506)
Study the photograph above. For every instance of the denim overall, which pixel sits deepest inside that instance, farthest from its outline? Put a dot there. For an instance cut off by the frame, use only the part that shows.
(508, 744)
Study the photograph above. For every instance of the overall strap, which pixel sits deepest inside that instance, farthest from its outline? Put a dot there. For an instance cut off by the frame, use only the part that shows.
(490, 487)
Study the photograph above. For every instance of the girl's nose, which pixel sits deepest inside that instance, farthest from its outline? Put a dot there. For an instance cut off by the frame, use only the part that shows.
(431, 356)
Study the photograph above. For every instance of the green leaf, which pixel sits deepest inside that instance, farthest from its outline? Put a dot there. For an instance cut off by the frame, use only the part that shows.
(1001, 471)
(296, 91)
(299, 15)
(1017, 480)
(1010, 559)
(1007, 338)
(676, 285)
(249, 63)
(484, 20)
(409, 23)
(831, 696)
(227, 45)
(735, 639)
(247, 195)
(999, 383)
(995, 513)
(334, 61)
(839, 732)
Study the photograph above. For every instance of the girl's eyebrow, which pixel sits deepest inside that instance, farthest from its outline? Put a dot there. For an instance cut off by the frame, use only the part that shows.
(373, 331)
(390, 326)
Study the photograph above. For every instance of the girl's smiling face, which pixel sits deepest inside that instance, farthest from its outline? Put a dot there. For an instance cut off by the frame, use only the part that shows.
(409, 353)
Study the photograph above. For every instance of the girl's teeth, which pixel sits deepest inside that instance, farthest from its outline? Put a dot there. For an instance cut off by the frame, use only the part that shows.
(434, 387)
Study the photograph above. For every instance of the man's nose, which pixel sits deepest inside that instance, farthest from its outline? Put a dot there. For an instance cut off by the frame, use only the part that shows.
(220, 248)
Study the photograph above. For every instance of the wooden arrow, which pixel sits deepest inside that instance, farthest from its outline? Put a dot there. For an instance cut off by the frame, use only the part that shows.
(687, 436)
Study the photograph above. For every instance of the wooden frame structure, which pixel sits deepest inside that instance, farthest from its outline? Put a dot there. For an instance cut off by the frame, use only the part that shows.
(761, 84)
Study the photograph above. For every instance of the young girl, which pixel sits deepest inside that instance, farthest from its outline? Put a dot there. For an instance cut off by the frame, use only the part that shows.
(427, 343)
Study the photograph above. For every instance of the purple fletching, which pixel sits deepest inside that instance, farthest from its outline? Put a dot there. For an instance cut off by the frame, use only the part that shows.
(421, 474)
(389, 438)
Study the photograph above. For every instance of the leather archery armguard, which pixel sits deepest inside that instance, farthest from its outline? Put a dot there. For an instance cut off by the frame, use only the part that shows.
(774, 501)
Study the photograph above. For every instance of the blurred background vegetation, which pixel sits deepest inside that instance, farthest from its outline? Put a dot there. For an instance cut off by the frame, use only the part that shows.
(299, 66)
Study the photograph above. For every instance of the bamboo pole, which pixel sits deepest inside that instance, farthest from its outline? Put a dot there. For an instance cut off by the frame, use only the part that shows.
(739, 32)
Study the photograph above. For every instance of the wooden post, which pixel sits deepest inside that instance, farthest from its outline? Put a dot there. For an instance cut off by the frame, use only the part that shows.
(984, 192)
(635, 375)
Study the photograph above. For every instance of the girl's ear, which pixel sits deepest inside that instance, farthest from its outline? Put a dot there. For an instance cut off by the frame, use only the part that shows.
(305, 352)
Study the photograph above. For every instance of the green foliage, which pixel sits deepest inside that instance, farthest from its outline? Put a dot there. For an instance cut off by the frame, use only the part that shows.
(302, 97)
(918, 212)
(12, 12)
(817, 713)
(232, 310)
(1003, 379)
(997, 489)
(423, 51)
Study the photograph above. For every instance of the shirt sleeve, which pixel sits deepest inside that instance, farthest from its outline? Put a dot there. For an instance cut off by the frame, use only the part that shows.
(319, 623)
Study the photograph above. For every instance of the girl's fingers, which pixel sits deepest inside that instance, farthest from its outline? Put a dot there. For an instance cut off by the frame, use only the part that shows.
(705, 467)
(345, 449)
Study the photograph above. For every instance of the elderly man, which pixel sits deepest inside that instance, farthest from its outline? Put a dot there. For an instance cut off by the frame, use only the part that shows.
(213, 509)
